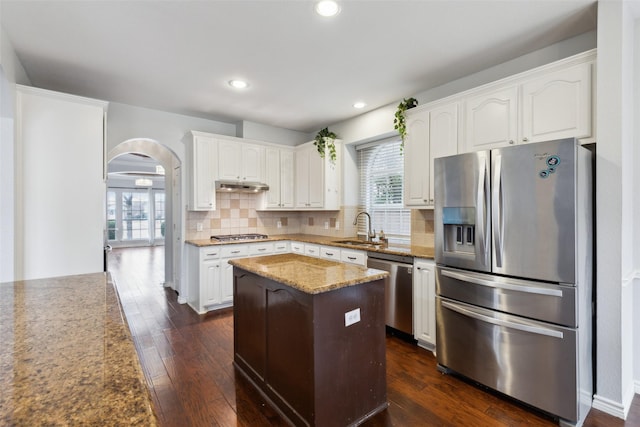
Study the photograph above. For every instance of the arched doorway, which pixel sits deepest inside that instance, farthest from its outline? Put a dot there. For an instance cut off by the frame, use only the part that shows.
(173, 223)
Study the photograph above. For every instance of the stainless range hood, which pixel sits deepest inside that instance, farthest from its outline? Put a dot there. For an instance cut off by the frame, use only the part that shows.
(241, 187)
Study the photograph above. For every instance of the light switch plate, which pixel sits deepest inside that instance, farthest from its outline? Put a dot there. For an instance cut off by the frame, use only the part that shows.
(351, 317)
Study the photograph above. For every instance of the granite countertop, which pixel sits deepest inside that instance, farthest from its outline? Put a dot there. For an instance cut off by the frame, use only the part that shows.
(308, 274)
(396, 249)
(67, 356)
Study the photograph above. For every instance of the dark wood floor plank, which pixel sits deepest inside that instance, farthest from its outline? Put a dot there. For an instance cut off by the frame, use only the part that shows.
(187, 360)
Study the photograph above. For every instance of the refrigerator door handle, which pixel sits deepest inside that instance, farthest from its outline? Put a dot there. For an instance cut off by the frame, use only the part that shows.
(504, 323)
(482, 202)
(507, 286)
(496, 208)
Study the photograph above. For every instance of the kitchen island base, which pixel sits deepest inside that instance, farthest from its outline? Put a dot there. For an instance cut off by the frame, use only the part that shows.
(318, 358)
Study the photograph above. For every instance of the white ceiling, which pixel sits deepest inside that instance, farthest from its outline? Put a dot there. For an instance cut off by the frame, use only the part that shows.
(305, 71)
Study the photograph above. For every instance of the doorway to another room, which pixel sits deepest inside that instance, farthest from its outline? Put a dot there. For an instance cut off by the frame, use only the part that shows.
(143, 200)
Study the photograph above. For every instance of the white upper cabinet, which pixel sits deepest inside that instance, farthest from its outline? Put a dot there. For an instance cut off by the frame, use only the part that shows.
(443, 138)
(491, 120)
(202, 165)
(416, 153)
(431, 133)
(549, 102)
(240, 161)
(558, 105)
(279, 177)
(317, 179)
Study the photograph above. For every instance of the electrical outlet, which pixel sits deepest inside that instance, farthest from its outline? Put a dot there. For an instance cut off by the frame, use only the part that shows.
(351, 317)
(337, 225)
(326, 225)
(279, 224)
(199, 226)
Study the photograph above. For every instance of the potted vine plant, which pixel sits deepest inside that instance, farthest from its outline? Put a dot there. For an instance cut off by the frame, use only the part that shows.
(399, 123)
(325, 139)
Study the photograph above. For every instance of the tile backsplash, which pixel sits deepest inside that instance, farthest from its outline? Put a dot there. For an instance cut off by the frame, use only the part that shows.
(236, 213)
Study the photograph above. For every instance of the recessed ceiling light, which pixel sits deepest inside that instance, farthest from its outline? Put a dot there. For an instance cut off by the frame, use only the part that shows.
(238, 84)
(359, 104)
(327, 8)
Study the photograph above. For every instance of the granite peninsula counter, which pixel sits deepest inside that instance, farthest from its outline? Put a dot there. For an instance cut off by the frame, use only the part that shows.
(309, 334)
(67, 357)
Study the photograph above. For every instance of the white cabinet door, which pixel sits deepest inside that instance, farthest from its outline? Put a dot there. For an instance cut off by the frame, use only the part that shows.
(558, 105)
(443, 138)
(226, 282)
(416, 159)
(272, 177)
(424, 305)
(309, 183)
(286, 178)
(229, 160)
(431, 133)
(316, 169)
(279, 176)
(491, 120)
(203, 152)
(251, 163)
(210, 282)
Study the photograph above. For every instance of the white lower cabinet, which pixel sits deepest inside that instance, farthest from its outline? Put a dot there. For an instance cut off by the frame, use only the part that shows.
(330, 252)
(424, 303)
(353, 257)
(210, 276)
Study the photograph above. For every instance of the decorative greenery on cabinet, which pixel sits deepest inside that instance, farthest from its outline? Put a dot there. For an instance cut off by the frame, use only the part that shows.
(326, 138)
(399, 123)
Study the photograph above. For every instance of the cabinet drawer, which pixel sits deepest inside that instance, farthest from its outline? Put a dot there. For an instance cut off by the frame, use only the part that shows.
(312, 250)
(330, 252)
(281, 247)
(297, 247)
(234, 251)
(261, 248)
(212, 252)
(353, 257)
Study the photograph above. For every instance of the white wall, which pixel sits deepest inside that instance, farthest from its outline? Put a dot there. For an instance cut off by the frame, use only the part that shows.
(614, 207)
(379, 123)
(11, 72)
(260, 132)
(636, 213)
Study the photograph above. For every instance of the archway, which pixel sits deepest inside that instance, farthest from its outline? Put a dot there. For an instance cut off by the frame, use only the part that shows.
(173, 201)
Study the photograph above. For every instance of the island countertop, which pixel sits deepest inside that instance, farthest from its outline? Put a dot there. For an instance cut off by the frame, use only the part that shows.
(308, 274)
(67, 356)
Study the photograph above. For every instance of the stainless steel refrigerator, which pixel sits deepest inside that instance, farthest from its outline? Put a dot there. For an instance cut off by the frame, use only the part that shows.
(514, 233)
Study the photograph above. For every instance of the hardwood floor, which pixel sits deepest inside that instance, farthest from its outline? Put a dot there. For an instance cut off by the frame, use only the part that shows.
(187, 361)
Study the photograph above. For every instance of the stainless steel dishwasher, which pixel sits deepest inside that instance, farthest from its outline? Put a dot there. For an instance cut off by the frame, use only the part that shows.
(398, 289)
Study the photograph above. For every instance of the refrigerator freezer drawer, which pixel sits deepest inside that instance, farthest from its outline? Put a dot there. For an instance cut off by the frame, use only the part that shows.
(542, 301)
(530, 361)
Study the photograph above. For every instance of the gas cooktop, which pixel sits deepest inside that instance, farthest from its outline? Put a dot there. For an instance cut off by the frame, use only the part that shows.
(238, 237)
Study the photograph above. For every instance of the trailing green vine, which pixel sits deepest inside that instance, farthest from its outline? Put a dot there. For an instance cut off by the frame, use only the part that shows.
(325, 139)
(399, 122)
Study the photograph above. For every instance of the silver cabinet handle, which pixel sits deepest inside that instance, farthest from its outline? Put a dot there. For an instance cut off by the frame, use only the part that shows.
(525, 139)
(235, 252)
(511, 141)
(262, 249)
(352, 258)
(504, 323)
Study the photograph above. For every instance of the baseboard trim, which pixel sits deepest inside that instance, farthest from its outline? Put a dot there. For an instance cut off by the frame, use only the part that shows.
(609, 406)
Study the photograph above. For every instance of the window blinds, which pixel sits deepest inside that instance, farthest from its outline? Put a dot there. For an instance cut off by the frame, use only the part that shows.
(381, 190)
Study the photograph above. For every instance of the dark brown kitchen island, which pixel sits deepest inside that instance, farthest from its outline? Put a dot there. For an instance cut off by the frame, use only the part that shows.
(309, 333)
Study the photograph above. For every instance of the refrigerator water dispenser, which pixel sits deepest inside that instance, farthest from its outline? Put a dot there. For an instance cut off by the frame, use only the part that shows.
(459, 229)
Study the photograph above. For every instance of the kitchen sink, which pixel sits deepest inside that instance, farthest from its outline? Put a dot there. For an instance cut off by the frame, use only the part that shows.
(362, 243)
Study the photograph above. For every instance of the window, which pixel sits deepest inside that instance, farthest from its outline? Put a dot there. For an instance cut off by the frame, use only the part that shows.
(135, 216)
(381, 189)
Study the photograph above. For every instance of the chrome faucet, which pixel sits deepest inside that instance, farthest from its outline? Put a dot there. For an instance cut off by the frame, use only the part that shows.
(370, 234)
